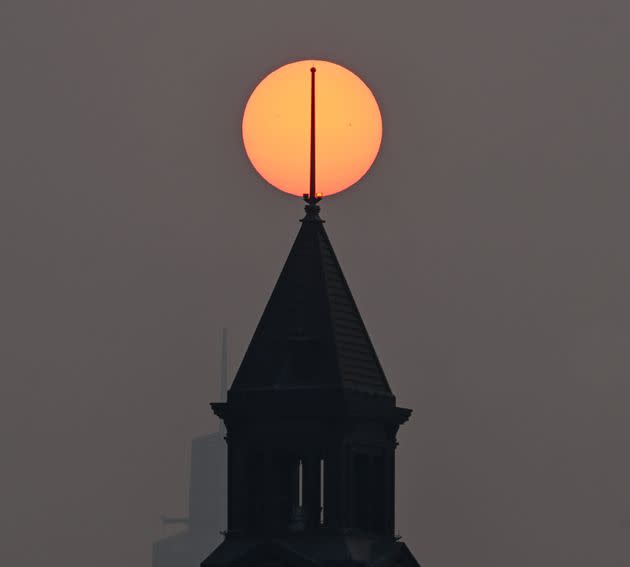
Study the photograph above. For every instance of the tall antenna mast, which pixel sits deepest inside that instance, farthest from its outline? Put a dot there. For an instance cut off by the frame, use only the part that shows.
(224, 365)
(224, 373)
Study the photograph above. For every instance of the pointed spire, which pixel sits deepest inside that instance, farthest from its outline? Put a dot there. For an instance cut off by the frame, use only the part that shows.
(311, 333)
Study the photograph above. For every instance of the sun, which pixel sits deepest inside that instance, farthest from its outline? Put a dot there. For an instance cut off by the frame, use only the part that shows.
(276, 127)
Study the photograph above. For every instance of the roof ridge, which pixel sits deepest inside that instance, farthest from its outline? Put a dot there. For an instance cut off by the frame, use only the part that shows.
(355, 308)
(323, 241)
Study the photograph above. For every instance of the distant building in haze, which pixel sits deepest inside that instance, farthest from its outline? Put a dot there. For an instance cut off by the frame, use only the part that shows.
(207, 498)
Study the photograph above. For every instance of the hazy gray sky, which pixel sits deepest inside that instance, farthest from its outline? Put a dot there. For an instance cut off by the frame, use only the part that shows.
(487, 250)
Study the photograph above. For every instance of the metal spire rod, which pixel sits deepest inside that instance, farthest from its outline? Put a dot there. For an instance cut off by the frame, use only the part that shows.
(312, 178)
(312, 198)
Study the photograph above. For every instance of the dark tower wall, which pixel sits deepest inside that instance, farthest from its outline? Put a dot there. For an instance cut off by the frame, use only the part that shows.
(356, 454)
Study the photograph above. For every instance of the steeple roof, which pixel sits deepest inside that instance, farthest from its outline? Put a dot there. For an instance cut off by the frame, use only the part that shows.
(311, 334)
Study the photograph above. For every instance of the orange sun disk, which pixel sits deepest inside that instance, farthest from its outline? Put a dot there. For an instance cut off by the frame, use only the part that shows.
(276, 127)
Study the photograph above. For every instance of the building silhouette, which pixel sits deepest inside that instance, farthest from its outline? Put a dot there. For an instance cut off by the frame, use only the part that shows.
(311, 428)
(207, 498)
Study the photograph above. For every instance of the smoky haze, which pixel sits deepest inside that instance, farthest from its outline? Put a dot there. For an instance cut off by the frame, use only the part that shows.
(487, 250)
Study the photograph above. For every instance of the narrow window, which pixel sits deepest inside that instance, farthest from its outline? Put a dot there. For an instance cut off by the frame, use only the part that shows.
(255, 489)
(321, 491)
(300, 483)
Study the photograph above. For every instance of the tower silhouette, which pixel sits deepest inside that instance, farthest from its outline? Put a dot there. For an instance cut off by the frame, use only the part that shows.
(311, 424)
(206, 500)
(311, 427)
